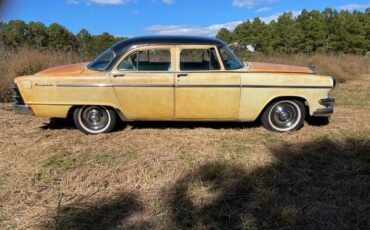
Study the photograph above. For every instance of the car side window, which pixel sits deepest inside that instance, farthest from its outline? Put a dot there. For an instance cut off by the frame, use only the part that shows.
(199, 59)
(148, 60)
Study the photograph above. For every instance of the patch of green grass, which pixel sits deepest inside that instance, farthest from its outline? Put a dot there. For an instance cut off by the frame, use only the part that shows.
(270, 139)
(234, 150)
(212, 170)
(58, 165)
(107, 158)
(189, 158)
(225, 147)
(3, 217)
(162, 211)
(241, 151)
(363, 135)
(63, 162)
(3, 178)
(161, 208)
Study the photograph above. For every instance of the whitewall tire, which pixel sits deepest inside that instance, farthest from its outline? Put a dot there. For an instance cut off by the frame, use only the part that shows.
(95, 119)
(284, 116)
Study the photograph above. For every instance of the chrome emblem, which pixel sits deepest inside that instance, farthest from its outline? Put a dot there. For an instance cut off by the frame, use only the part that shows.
(43, 84)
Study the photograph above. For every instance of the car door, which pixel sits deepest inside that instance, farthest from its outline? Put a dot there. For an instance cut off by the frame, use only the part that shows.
(204, 90)
(144, 83)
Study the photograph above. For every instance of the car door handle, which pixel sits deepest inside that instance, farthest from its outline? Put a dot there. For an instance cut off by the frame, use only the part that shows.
(119, 75)
(182, 75)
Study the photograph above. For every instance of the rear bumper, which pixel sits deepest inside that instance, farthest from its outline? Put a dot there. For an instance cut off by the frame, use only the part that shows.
(328, 111)
(22, 109)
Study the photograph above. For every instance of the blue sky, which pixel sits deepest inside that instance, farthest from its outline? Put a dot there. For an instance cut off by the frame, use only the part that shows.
(144, 17)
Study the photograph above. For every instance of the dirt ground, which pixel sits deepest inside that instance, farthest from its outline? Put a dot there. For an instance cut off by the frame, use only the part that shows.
(189, 175)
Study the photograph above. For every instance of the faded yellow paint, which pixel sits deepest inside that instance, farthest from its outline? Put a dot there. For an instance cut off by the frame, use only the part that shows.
(45, 92)
(202, 102)
(168, 98)
(145, 103)
(56, 111)
(254, 100)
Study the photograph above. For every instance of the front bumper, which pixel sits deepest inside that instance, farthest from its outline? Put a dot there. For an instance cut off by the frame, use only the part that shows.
(328, 111)
(22, 109)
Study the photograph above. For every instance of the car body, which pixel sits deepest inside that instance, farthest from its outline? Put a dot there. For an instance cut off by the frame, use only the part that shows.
(174, 78)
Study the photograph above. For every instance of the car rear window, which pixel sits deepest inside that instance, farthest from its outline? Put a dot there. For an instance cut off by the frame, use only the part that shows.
(199, 59)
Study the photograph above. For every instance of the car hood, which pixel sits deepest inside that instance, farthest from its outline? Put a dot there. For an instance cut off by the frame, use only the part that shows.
(72, 69)
(258, 67)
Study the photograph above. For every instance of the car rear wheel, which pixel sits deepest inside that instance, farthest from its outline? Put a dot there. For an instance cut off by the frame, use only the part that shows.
(284, 116)
(95, 119)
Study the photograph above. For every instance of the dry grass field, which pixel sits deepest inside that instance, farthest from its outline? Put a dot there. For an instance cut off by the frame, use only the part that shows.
(189, 175)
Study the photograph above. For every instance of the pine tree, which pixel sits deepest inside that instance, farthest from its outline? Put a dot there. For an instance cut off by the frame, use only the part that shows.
(37, 35)
(85, 42)
(286, 34)
(258, 35)
(225, 35)
(14, 33)
(312, 25)
(60, 38)
(356, 35)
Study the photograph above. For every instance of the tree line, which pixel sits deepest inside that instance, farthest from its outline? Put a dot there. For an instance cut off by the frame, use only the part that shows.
(313, 31)
(36, 35)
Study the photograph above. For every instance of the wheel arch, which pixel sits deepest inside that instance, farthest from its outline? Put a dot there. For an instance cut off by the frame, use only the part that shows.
(116, 110)
(280, 98)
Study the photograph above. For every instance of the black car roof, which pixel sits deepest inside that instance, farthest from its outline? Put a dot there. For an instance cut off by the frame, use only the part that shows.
(120, 48)
(165, 40)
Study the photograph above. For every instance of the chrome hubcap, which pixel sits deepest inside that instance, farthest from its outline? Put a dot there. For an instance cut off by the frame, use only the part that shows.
(284, 115)
(94, 117)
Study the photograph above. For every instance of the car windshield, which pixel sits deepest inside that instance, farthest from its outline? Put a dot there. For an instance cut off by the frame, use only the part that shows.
(103, 60)
(229, 59)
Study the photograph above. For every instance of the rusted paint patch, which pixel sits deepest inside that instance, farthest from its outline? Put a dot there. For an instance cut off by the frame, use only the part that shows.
(257, 67)
(72, 69)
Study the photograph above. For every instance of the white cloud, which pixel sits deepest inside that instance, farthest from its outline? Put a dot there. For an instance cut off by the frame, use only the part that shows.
(250, 3)
(352, 7)
(210, 30)
(273, 17)
(168, 2)
(263, 9)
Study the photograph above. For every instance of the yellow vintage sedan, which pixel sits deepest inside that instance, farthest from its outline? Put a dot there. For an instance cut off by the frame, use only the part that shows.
(174, 78)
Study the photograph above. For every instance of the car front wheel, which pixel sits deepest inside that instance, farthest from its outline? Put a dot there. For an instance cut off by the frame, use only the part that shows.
(95, 119)
(284, 116)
